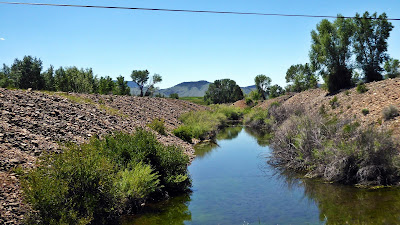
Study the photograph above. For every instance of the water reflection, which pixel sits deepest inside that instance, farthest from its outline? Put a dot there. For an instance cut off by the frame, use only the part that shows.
(172, 211)
(340, 204)
(262, 138)
(229, 189)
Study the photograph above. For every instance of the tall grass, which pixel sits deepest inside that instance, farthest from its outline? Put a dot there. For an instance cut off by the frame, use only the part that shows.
(200, 124)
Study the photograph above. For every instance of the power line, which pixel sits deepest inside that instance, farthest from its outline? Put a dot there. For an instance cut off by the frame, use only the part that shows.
(182, 10)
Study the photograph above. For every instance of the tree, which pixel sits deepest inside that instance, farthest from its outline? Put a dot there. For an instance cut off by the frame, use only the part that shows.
(151, 85)
(223, 91)
(392, 68)
(370, 43)
(106, 85)
(330, 52)
(301, 77)
(49, 81)
(27, 73)
(276, 91)
(5, 79)
(121, 87)
(263, 84)
(141, 78)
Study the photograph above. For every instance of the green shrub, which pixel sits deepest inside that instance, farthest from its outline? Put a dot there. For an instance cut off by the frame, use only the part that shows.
(249, 101)
(361, 88)
(390, 112)
(75, 187)
(365, 111)
(158, 126)
(334, 102)
(138, 182)
(183, 132)
(92, 182)
(174, 95)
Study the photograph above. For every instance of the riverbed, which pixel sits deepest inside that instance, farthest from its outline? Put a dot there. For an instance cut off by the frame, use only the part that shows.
(234, 184)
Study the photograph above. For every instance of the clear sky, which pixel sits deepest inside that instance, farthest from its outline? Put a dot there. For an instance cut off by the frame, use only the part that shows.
(178, 46)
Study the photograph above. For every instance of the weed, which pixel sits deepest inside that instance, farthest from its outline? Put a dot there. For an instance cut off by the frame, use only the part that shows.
(334, 102)
(361, 88)
(390, 112)
(158, 126)
(365, 111)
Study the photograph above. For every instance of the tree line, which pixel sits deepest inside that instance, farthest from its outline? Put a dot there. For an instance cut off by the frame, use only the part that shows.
(343, 53)
(28, 73)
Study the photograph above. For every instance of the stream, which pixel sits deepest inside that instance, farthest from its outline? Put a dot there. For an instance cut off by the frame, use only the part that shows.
(233, 184)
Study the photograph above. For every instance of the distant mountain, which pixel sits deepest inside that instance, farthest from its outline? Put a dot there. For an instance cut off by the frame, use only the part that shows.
(186, 89)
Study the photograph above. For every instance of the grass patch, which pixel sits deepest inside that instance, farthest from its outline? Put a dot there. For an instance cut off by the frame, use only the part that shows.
(361, 88)
(365, 112)
(94, 182)
(199, 124)
(196, 100)
(158, 126)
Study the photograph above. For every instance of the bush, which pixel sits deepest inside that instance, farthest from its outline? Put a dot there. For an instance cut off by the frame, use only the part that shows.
(338, 151)
(93, 182)
(183, 132)
(365, 111)
(75, 187)
(361, 88)
(249, 101)
(390, 112)
(334, 102)
(138, 182)
(174, 95)
(158, 126)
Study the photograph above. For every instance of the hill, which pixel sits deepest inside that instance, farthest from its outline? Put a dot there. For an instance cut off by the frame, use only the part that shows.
(186, 89)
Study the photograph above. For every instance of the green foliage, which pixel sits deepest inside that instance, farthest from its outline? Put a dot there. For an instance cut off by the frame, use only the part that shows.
(263, 84)
(142, 79)
(302, 78)
(196, 100)
(138, 182)
(90, 183)
(276, 91)
(392, 68)
(258, 118)
(334, 102)
(361, 88)
(249, 101)
(370, 43)
(174, 95)
(106, 85)
(330, 52)
(223, 91)
(365, 111)
(75, 187)
(158, 126)
(255, 95)
(183, 132)
(5, 77)
(121, 86)
(26, 73)
(390, 112)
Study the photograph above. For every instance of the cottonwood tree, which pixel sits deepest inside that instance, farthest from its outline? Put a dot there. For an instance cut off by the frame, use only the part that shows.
(141, 78)
(392, 68)
(223, 91)
(301, 78)
(330, 52)
(370, 43)
(263, 84)
(276, 91)
(121, 87)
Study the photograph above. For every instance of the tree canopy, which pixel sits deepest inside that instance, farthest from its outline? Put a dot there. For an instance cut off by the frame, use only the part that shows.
(330, 52)
(141, 78)
(223, 91)
(392, 68)
(370, 43)
(276, 91)
(26, 73)
(301, 78)
(263, 84)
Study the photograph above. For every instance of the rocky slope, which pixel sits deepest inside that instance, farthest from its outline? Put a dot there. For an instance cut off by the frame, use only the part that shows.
(34, 122)
(350, 104)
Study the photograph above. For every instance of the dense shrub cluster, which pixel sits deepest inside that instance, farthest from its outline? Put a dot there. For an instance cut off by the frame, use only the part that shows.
(158, 125)
(91, 183)
(339, 151)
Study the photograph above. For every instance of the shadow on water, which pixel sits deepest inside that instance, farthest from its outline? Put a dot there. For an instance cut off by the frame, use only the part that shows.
(277, 197)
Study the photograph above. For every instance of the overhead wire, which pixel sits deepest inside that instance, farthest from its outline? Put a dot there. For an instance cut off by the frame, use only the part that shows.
(184, 10)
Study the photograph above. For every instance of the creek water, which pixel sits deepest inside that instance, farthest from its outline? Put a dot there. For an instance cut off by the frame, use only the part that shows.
(233, 184)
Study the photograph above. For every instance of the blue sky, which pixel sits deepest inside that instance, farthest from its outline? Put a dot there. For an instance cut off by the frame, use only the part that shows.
(178, 46)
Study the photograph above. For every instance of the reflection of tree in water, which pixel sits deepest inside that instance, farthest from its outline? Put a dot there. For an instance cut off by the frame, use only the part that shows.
(172, 211)
(339, 204)
(262, 138)
(229, 133)
(205, 148)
